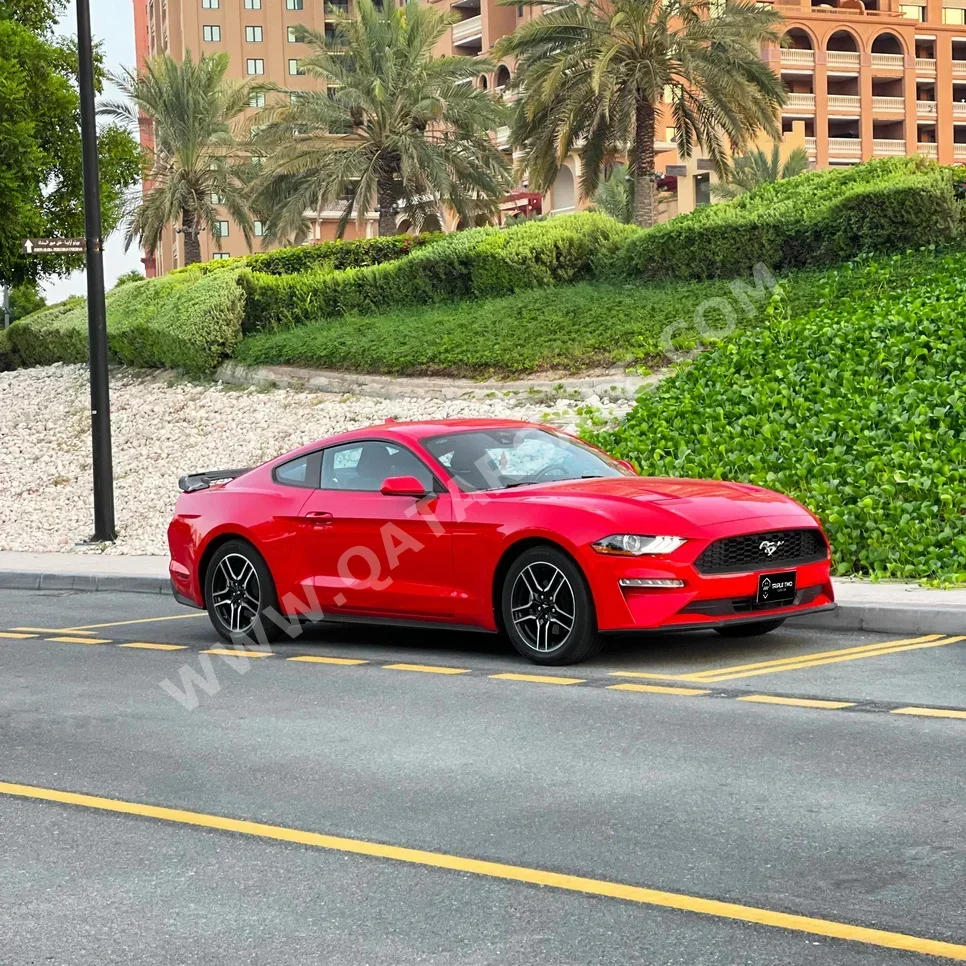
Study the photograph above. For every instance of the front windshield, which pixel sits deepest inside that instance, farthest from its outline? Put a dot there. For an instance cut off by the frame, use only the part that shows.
(494, 459)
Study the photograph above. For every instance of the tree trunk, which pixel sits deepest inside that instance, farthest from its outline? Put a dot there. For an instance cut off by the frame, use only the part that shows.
(644, 205)
(192, 244)
(386, 198)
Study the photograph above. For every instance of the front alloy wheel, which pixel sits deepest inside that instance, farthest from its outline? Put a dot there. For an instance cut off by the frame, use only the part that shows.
(547, 609)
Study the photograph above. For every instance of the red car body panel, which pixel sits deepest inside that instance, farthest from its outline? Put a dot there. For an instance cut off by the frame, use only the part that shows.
(443, 555)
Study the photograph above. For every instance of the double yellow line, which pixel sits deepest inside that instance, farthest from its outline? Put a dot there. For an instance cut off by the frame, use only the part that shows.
(802, 661)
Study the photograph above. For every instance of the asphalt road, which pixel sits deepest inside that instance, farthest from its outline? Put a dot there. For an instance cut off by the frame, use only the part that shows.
(410, 816)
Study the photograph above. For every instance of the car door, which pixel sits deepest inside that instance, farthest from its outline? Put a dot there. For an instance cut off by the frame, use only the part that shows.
(374, 554)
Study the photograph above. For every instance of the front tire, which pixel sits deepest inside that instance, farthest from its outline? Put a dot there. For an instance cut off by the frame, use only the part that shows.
(754, 629)
(239, 593)
(548, 612)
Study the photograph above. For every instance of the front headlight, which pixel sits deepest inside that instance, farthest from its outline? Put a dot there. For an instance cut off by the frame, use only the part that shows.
(636, 545)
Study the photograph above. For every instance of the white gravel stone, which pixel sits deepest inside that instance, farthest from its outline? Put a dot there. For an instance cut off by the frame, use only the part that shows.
(162, 429)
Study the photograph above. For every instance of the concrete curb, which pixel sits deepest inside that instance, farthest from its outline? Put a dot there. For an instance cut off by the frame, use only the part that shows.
(34, 580)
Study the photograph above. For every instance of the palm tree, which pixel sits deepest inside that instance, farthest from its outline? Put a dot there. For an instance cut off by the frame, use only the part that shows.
(756, 168)
(196, 116)
(595, 74)
(396, 128)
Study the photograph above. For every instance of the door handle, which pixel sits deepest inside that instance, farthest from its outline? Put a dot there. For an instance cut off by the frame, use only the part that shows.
(319, 518)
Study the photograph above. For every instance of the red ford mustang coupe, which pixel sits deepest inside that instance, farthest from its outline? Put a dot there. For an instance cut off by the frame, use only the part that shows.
(489, 525)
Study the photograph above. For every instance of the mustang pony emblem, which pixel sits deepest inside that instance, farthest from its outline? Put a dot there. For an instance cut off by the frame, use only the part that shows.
(770, 546)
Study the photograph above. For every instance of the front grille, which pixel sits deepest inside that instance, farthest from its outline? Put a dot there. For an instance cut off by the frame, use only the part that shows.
(747, 552)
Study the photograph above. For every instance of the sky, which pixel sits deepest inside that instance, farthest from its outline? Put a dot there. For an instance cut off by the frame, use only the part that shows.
(112, 24)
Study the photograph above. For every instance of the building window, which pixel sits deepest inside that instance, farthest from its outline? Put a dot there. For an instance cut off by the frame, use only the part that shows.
(294, 69)
(210, 4)
(253, 35)
(296, 35)
(912, 11)
(218, 256)
(293, 4)
(215, 198)
(253, 4)
(519, 10)
(670, 133)
(211, 34)
(954, 15)
(221, 229)
(258, 229)
(254, 65)
(256, 99)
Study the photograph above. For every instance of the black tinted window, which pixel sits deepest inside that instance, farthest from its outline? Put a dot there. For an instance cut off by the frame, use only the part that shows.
(299, 472)
(367, 464)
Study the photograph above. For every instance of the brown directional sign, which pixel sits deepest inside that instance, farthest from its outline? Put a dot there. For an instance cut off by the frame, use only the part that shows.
(55, 246)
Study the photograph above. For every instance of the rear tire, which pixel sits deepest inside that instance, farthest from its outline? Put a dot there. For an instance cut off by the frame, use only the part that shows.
(753, 629)
(239, 591)
(548, 612)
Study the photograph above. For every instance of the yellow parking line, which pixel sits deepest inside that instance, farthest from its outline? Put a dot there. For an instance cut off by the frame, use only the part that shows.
(797, 702)
(931, 712)
(655, 689)
(538, 678)
(236, 652)
(312, 659)
(53, 630)
(514, 873)
(15, 637)
(155, 647)
(651, 677)
(79, 640)
(426, 668)
(140, 620)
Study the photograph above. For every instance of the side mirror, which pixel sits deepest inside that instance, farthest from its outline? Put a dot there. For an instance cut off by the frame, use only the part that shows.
(627, 466)
(402, 486)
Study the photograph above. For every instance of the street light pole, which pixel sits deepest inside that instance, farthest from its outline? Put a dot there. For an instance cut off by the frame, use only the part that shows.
(96, 312)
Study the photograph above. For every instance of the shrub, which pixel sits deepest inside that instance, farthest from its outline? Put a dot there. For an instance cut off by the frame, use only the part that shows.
(815, 219)
(8, 356)
(182, 321)
(859, 413)
(479, 263)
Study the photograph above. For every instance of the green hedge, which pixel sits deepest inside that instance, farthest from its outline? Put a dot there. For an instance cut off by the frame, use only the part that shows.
(859, 413)
(817, 219)
(8, 355)
(328, 256)
(479, 263)
(180, 320)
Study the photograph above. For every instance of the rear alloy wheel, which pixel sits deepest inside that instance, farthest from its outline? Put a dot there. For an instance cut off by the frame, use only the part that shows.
(239, 590)
(547, 609)
(753, 629)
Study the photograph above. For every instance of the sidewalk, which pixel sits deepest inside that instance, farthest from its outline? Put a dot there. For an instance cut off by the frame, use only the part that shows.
(889, 607)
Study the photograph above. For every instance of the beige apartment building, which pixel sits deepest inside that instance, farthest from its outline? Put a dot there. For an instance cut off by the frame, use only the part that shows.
(867, 78)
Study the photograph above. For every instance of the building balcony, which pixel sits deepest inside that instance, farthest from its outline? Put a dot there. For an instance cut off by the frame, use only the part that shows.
(925, 66)
(888, 61)
(959, 109)
(468, 33)
(844, 148)
(811, 147)
(790, 57)
(885, 148)
(889, 105)
(801, 102)
(926, 108)
(842, 58)
(959, 152)
(928, 150)
(959, 68)
(847, 103)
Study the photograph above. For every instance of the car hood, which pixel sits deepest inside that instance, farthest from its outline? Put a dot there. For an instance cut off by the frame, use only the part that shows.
(691, 503)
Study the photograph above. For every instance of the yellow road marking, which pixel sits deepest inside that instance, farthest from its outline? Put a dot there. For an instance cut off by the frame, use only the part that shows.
(236, 652)
(79, 640)
(655, 689)
(651, 677)
(15, 637)
(796, 702)
(803, 664)
(427, 668)
(538, 678)
(156, 647)
(53, 630)
(312, 659)
(140, 620)
(513, 873)
(931, 712)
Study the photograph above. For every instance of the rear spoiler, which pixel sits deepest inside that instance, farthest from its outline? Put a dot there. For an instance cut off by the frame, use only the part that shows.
(201, 481)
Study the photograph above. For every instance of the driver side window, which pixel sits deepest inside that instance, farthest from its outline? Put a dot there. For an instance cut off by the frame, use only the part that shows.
(363, 466)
